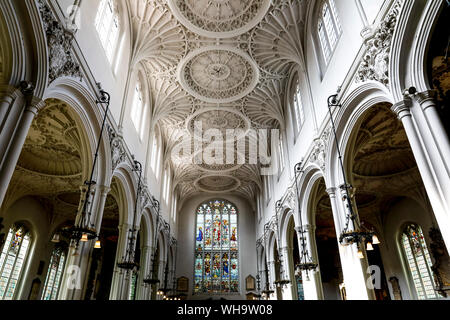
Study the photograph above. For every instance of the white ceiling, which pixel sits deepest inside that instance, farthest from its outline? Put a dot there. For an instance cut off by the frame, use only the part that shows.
(222, 62)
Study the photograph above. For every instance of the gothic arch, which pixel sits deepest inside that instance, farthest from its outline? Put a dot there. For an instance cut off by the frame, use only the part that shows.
(347, 118)
(90, 117)
(411, 40)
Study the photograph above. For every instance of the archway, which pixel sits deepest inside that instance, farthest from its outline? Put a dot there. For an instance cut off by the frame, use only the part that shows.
(326, 243)
(386, 179)
(52, 166)
(103, 260)
(438, 65)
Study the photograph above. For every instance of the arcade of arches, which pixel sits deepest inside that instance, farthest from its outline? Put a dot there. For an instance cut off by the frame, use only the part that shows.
(101, 99)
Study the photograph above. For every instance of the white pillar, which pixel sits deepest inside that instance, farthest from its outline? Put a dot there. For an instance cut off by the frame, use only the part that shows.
(119, 276)
(432, 167)
(11, 143)
(143, 290)
(352, 268)
(312, 285)
(287, 291)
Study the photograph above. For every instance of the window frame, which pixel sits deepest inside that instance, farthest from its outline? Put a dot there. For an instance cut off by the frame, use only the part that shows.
(138, 112)
(407, 263)
(108, 44)
(63, 253)
(221, 252)
(326, 50)
(5, 254)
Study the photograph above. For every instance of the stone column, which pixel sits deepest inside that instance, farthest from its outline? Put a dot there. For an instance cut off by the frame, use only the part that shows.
(312, 285)
(78, 259)
(352, 268)
(161, 276)
(272, 278)
(436, 182)
(143, 290)
(287, 273)
(11, 142)
(118, 285)
(8, 114)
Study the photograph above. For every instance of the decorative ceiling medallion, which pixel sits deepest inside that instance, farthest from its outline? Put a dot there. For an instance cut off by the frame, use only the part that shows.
(219, 18)
(221, 118)
(217, 74)
(217, 183)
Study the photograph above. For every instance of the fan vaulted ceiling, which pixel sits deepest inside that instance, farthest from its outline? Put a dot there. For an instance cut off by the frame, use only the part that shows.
(222, 62)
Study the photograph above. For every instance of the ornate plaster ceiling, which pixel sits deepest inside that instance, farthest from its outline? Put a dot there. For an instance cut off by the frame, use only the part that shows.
(219, 18)
(384, 168)
(224, 63)
(217, 74)
(50, 165)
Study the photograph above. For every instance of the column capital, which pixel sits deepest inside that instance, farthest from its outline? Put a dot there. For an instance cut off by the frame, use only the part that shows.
(36, 104)
(104, 190)
(402, 108)
(427, 99)
(331, 191)
(10, 91)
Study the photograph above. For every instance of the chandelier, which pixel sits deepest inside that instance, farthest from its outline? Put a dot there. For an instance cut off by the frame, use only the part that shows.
(280, 282)
(152, 278)
(306, 262)
(128, 260)
(84, 230)
(354, 232)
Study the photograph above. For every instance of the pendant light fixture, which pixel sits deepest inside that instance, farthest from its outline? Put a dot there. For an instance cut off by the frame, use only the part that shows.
(152, 278)
(354, 231)
(84, 229)
(128, 260)
(306, 262)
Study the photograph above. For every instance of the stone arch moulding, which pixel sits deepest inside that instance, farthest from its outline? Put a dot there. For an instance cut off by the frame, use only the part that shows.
(411, 39)
(348, 116)
(84, 105)
(25, 61)
(127, 193)
(418, 67)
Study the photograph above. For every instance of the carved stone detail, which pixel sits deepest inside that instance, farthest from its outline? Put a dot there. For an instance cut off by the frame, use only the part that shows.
(375, 64)
(118, 152)
(59, 41)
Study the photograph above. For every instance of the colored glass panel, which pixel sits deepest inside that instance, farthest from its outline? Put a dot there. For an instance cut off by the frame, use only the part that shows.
(419, 262)
(216, 242)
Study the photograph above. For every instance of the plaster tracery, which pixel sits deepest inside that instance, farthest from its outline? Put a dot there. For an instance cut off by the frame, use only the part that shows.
(375, 64)
(59, 41)
(219, 18)
(218, 75)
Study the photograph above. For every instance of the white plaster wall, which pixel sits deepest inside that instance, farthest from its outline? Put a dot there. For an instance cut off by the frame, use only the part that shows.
(186, 237)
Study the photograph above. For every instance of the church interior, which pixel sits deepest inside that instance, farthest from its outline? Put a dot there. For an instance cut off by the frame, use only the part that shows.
(224, 150)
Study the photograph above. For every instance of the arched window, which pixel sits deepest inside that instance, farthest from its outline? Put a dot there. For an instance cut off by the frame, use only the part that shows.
(54, 274)
(12, 259)
(328, 28)
(138, 112)
(107, 25)
(216, 249)
(419, 261)
(281, 158)
(299, 112)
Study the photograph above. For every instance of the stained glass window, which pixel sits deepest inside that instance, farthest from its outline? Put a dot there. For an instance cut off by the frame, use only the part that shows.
(12, 259)
(54, 274)
(216, 265)
(329, 29)
(133, 286)
(419, 261)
